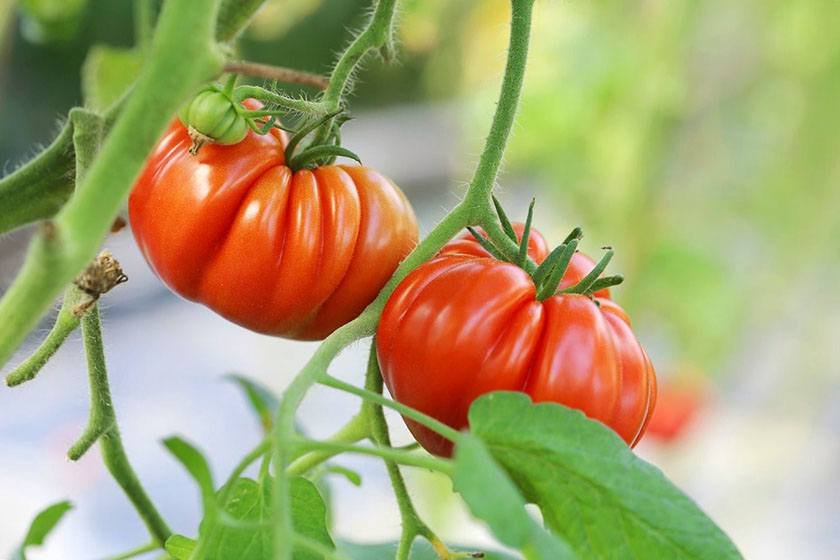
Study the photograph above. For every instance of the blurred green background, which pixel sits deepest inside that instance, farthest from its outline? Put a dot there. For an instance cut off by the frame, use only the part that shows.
(700, 139)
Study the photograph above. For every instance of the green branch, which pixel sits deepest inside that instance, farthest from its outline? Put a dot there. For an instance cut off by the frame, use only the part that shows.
(38, 189)
(179, 63)
(387, 453)
(103, 426)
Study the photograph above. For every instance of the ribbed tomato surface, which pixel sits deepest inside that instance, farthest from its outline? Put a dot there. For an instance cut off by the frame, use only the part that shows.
(293, 254)
(464, 324)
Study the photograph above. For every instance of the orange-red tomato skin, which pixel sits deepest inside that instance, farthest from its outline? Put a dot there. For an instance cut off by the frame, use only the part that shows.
(464, 324)
(289, 254)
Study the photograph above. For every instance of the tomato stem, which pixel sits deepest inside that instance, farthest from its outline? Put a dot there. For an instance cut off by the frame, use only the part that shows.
(103, 427)
(277, 73)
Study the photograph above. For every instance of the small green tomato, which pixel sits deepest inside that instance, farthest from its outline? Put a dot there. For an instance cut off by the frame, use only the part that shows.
(212, 118)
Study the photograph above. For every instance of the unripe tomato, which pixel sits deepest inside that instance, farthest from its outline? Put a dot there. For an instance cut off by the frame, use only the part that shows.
(464, 324)
(212, 114)
(293, 254)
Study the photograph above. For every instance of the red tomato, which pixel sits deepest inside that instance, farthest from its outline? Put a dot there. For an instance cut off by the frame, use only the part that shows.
(678, 406)
(293, 254)
(465, 324)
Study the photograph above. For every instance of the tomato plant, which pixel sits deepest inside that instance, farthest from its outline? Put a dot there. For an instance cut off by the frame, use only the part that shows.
(263, 227)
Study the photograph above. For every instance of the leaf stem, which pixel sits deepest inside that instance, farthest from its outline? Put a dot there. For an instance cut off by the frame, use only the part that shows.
(397, 456)
(431, 423)
(133, 553)
(376, 35)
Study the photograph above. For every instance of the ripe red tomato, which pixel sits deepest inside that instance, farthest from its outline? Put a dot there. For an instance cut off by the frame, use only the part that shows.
(293, 254)
(464, 324)
(677, 408)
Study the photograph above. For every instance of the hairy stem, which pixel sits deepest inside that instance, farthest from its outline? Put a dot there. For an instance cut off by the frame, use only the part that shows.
(65, 323)
(279, 73)
(179, 62)
(103, 425)
(38, 189)
(376, 35)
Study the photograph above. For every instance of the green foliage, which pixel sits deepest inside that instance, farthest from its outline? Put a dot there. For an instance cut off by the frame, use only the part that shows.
(503, 508)
(262, 400)
(592, 490)
(41, 527)
(107, 74)
(179, 547)
(195, 463)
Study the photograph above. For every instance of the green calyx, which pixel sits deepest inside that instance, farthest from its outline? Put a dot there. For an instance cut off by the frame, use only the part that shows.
(316, 154)
(213, 117)
(549, 274)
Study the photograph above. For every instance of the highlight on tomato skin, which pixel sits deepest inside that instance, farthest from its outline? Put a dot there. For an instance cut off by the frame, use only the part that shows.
(465, 324)
(291, 254)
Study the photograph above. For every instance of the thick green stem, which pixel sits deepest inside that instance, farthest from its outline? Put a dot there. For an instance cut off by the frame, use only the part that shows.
(103, 424)
(87, 129)
(481, 186)
(38, 189)
(179, 62)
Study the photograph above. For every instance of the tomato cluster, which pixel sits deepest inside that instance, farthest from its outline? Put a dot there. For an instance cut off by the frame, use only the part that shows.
(299, 252)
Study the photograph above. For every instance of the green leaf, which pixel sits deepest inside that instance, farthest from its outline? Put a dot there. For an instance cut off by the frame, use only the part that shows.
(41, 527)
(421, 550)
(309, 515)
(503, 508)
(262, 400)
(179, 547)
(592, 490)
(245, 532)
(107, 73)
(196, 465)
